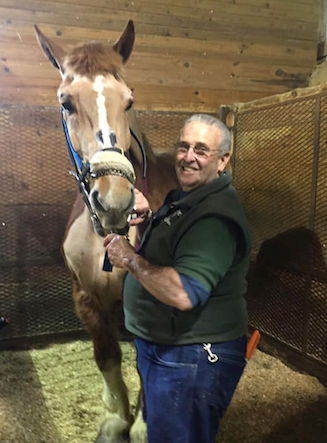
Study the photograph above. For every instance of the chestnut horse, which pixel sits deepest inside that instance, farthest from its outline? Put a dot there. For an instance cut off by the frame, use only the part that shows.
(94, 100)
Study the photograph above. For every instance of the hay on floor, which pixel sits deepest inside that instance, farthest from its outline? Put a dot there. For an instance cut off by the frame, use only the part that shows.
(53, 395)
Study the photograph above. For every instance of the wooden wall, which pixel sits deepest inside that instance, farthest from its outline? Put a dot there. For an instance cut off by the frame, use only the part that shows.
(189, 54)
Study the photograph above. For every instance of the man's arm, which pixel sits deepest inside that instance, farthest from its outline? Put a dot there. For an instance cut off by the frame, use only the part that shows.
(163, 282)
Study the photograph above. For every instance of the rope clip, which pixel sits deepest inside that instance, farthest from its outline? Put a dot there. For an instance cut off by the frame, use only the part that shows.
(211, 356)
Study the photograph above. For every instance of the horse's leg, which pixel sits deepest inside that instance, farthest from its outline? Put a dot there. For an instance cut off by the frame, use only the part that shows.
(108, 358)
(138, 432)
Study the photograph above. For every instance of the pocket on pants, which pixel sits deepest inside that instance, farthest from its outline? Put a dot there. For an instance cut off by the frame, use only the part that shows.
(175, 356)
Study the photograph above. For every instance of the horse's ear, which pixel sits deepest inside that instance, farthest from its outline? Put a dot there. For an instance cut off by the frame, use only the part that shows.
(124, 45)
(54, 53)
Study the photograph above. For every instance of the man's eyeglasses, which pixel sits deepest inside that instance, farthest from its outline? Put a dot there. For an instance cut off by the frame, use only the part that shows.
(200, 150)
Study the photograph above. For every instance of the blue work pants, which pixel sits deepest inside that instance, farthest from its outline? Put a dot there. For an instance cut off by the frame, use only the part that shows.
(185, 394)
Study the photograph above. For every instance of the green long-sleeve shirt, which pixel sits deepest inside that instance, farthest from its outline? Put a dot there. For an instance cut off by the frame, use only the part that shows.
(206, 251)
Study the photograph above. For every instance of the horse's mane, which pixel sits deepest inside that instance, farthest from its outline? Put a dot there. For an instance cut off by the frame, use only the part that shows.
(93, 58)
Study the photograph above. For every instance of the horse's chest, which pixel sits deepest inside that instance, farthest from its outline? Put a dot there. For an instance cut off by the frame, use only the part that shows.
(84, 251)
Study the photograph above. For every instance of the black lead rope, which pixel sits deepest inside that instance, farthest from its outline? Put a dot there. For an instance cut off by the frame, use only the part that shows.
(107, 266)
(3, 322)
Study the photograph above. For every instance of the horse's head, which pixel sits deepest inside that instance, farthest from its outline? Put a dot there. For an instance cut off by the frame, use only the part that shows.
(94, 99)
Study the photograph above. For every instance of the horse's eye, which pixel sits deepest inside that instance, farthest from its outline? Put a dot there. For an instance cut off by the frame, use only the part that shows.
(130, 104)
(68, 106)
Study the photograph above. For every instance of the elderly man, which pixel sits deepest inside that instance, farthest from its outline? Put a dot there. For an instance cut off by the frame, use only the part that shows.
(184, 291)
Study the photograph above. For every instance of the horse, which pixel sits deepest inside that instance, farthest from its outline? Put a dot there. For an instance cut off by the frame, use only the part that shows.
(98, 118)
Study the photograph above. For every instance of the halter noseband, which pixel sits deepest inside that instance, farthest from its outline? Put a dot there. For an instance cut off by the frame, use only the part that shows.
(81, 168)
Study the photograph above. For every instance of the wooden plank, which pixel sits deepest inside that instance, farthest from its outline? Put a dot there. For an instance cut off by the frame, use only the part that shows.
(236, 3)
(147, 97)
(282, 11)
(232, 26)
(306, 5)
(174, 70)
(52, 81)
(278, 98)
(227, 47)
(222, 52)
(188, 99)
(148, 54)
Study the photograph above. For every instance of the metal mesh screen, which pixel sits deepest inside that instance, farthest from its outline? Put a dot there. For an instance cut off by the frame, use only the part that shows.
(320, 224)
(37, 194)
(279, 174)
(161, 128)
(35, 202)
(272, 171)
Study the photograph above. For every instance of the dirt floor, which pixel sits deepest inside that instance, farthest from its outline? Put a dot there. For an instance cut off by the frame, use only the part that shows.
(53, 395)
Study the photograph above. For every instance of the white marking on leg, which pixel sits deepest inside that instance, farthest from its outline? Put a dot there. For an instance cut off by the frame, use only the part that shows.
(138, 433)
(115, 392)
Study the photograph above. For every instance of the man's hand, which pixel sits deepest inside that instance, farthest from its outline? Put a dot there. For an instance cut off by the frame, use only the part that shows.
(120, 252)
(142, 209)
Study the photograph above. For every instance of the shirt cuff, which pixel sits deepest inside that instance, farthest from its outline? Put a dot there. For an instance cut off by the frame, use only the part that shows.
(196, 292)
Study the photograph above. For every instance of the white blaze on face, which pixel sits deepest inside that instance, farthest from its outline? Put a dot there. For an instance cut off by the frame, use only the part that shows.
(98, 86)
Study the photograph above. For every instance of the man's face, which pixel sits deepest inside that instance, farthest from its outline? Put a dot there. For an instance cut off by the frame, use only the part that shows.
(197, 168)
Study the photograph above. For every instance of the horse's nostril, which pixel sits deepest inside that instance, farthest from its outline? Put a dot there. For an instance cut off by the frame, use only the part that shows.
(99, 136)
(96, 200)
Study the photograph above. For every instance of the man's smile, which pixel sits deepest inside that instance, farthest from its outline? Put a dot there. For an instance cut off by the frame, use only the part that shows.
(188, 168)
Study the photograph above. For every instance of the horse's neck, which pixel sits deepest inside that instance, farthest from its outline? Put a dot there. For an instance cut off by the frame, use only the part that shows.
(161, 176)
(160, 179)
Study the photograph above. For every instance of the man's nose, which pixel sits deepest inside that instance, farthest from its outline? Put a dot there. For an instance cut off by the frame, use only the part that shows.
(190, 155)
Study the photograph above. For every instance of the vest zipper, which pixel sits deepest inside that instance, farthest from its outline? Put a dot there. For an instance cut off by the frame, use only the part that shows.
(173, 321)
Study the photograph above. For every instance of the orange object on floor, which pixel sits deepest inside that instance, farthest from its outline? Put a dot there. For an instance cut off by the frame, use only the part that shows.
(252, 344)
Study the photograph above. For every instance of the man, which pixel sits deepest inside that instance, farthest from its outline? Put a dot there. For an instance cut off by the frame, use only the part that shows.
(184, 291)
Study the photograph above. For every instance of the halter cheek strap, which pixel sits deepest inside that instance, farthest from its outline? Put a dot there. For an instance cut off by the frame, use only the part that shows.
(74, 157)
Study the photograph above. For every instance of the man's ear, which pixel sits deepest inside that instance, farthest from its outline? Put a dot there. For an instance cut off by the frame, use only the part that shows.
(223, 162)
